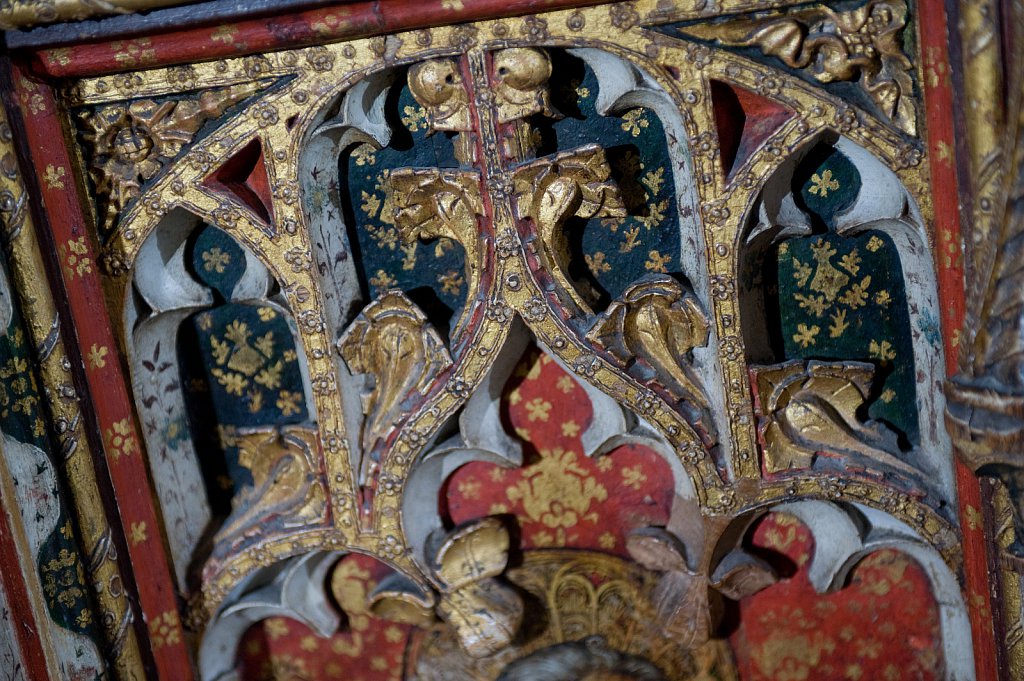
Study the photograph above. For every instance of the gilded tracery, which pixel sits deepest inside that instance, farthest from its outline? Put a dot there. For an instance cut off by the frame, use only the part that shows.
(553, 343)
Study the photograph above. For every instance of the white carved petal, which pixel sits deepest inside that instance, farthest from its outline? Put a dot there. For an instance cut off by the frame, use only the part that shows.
(480, 423)
(882, 196)
(161, 276)
(362, 111)
(174, 462)
(294, 588)
(255, 281)
(836, 536)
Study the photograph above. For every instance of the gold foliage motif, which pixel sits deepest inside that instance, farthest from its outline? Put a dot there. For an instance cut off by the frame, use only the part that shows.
(659, 323)
(555, 188)
(286, 482)
(393, 344)
(481, 95)
(440, 204)
(862, 44)
(809, 407)
(131, 142)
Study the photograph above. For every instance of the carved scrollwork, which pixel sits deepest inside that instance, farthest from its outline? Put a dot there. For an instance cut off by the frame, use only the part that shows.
(650, 347)
(555, 188)
(861, 44)
(432, 203)
(658, 323)
(286, 484)
(811, 407)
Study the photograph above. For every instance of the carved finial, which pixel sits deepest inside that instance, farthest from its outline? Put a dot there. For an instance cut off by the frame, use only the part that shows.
(660, 323)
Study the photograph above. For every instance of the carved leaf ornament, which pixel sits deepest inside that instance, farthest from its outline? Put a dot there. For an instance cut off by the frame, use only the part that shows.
(862, 44)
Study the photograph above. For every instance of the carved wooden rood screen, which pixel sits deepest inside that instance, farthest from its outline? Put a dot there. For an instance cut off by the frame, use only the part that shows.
(506, 341)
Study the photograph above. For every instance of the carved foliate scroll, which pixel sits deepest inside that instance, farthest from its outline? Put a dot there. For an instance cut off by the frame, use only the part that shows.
(552, 189)
(393, 344)
(431, 204)
(286, 487)
(862, 44)
(813, 407)
(658, 323)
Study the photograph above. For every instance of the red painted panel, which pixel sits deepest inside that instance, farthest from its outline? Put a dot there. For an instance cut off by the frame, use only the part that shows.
(364, 647)
(561, 497)
(883, 625)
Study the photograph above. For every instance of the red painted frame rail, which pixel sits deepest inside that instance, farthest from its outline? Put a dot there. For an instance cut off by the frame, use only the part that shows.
(949, 264)
(26, 630)
(352, 20)
(107, 386)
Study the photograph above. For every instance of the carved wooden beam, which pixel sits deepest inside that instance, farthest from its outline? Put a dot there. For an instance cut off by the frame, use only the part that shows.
(985, 412)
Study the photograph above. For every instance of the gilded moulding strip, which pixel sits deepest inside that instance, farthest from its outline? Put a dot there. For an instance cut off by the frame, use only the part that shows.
(26, 13)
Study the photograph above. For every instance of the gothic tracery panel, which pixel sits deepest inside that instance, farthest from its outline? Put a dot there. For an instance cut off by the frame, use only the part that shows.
(496, 350)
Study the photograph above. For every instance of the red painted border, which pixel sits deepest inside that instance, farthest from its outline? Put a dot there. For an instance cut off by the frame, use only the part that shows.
(949, 263)
(107, 385)
(352, 20)
(18, 599)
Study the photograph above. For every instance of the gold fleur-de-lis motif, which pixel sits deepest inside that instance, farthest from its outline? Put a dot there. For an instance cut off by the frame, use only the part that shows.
(54, 176)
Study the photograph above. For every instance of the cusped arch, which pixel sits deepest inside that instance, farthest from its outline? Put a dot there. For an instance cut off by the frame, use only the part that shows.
(883, 204)
(164, 297)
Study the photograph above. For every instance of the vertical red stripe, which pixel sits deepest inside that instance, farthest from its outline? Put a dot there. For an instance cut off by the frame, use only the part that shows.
(107, 385)
(18, 600)
(950, 265)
